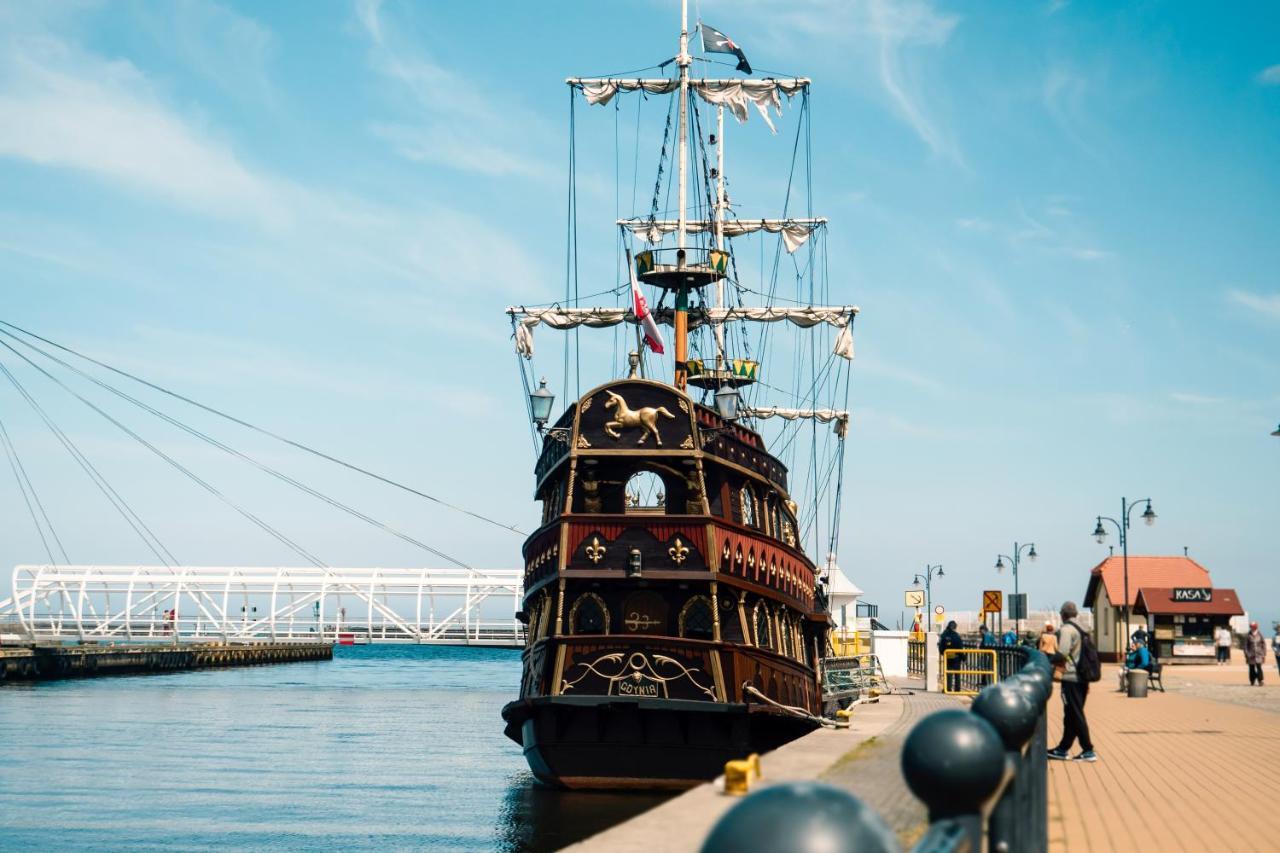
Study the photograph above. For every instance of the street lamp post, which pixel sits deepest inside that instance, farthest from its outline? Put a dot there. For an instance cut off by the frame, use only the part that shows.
(1017, 554)
(928, 588)
(1100, 534)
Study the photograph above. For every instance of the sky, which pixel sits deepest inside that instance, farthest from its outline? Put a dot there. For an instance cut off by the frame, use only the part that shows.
(1058, 219)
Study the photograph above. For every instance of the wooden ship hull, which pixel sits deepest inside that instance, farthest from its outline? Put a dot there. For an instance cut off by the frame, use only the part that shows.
(663, 640)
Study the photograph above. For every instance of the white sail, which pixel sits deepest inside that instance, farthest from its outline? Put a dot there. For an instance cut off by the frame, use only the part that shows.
(805, 316)
(736, 95)
(795, 232)
(825, 416)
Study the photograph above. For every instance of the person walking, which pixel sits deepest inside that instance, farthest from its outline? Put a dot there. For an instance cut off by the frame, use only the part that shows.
(986, 639)
(1048, 642)
(1075, 690)
(1255, 653)
(1222, 640)
(1010, 638)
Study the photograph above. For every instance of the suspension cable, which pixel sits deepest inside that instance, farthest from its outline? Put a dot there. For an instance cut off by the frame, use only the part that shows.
(178, 466)
(25, 485)
(266, 469)
(149, 538)
(262, 431)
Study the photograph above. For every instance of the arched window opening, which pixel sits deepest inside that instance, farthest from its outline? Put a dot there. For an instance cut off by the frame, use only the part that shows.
(696, 619)
(589, 615)
(747, 500)
(645, 493)
(760, 623)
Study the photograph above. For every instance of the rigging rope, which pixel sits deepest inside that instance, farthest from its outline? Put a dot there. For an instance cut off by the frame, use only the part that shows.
(262, 431)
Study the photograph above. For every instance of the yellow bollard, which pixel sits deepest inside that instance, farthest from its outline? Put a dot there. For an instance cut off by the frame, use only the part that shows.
(844, 713)
(737, 777)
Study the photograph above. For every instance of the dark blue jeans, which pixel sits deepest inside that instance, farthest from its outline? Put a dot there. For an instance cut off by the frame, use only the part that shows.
(1074, 724)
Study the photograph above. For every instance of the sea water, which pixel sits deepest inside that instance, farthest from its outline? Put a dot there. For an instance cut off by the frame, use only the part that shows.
(386, 747)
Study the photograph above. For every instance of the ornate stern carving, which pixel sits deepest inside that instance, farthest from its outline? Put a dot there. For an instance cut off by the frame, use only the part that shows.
(595, 551)
(678, 552)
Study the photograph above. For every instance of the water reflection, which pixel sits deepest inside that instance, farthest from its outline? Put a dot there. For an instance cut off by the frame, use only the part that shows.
(535, 818)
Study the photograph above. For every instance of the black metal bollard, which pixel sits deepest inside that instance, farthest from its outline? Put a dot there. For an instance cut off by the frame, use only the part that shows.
(801, 817)
(1014, 717)
(954, 761)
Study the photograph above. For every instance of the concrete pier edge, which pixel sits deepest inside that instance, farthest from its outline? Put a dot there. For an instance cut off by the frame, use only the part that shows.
(681, 823)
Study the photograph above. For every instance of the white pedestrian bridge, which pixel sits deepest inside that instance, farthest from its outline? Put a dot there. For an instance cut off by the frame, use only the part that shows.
(474, 607)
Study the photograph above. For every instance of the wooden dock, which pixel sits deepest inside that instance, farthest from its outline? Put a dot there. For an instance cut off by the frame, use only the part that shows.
(39, 663)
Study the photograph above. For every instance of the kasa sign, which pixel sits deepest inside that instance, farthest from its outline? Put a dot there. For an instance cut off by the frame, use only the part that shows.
(1193, 593)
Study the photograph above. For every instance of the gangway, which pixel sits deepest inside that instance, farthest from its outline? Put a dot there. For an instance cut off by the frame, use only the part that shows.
(471, 607)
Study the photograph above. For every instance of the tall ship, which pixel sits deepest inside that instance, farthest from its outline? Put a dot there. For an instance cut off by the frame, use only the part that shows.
(674, 590)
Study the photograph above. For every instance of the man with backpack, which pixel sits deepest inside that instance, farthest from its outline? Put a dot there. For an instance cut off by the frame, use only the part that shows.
(1079, 659)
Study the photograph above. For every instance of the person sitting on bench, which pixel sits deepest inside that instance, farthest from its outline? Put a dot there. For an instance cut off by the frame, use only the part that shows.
(1138, 658)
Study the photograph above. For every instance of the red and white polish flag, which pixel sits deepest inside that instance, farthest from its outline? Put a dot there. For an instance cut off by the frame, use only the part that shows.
(640, 305)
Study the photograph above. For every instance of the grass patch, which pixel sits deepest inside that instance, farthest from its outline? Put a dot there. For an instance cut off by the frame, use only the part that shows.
(859, 752)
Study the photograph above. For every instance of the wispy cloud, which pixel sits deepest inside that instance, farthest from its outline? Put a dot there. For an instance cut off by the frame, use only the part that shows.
(1270, 76)
(65, 108)
(455, 123)
(225, 48)
(879, 32)
(1192, 399)
(1066, 236)
(1064, 95)
(1268, 305)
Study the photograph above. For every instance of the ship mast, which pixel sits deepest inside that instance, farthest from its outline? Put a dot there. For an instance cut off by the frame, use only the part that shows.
(682, 293)
(720, 199)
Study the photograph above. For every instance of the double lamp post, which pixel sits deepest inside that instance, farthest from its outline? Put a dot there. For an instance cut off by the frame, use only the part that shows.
(1100, 534)
(1017, 555)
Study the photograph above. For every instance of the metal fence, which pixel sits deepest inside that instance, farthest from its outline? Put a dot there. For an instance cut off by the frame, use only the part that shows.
(917, 655)
(982, 774)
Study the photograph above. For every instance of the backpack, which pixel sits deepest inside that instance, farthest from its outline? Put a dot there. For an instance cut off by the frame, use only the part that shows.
(1088, 667)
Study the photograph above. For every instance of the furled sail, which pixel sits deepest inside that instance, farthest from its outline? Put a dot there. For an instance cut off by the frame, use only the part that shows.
(805, 316)
(736, 95)
(795, 232)
(825, 416)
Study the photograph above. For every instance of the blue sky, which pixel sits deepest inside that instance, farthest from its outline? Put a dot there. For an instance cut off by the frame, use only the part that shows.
(1059, 220)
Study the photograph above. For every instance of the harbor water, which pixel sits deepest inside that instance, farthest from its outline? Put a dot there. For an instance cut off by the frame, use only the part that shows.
(387, 747)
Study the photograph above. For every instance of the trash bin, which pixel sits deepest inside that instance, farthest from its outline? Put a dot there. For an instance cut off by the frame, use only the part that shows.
(1138, 683)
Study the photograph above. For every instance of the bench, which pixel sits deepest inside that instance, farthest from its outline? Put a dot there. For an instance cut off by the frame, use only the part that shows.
(1154, 680)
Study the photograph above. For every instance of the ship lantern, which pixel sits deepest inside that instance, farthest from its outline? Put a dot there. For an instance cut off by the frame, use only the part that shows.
(540, 403)
(634, 560)
(727, 402)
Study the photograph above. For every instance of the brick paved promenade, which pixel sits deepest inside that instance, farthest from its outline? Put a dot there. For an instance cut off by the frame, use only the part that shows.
(1178, 771)
(873, 771)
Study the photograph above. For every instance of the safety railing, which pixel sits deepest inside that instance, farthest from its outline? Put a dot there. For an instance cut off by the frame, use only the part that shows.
(981, 773)
(966, 672)
(917, 657)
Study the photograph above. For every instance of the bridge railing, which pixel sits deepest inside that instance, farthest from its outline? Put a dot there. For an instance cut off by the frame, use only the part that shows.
(982, 774)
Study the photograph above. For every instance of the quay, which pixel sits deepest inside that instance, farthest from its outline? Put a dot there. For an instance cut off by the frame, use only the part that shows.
(1187, 769)
(45, 662)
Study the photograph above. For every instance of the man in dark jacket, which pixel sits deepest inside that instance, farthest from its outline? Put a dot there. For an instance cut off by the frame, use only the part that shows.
(951, 639)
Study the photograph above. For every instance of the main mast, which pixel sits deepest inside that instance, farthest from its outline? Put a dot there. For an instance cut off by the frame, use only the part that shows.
(682, 293)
